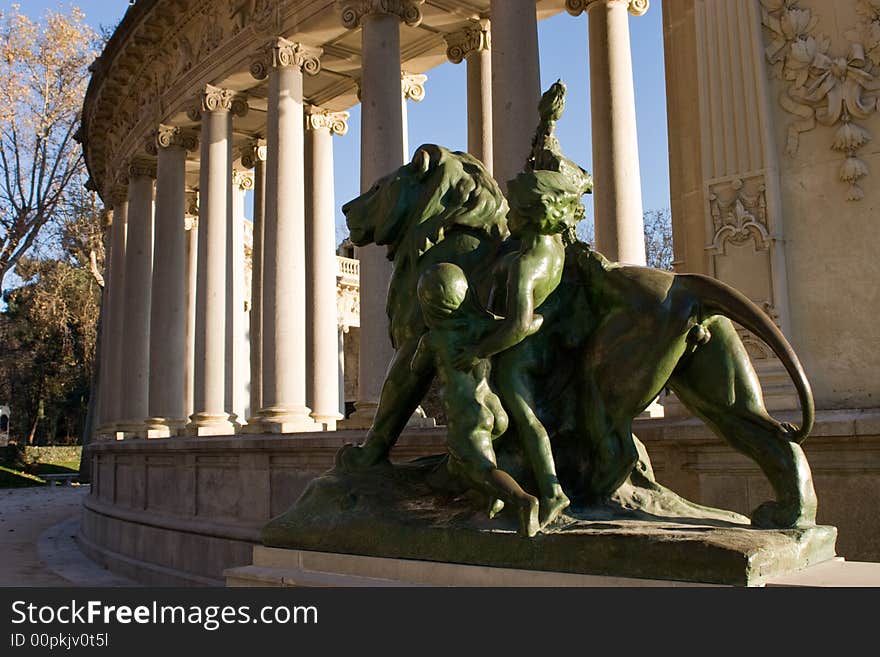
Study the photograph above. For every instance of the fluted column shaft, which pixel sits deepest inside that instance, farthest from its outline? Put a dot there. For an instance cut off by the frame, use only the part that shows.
(516, 85)
(382, 144)
(138, 284)
(210, 416)
(322, 342)
(256, 159)
(617, 199)
(167, 409)
(284, 281)
(192, 266)
(472, 45)
(237, 349)
(113, 355)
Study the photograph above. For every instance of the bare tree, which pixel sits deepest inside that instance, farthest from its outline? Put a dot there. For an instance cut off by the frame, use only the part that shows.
(658, 238)
(43, 76)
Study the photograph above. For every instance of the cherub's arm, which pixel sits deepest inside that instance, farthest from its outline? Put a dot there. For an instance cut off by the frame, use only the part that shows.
(520, 320)
(423, 356)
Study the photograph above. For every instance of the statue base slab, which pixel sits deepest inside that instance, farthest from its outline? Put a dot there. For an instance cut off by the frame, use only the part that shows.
(275, 567)
(413, 511)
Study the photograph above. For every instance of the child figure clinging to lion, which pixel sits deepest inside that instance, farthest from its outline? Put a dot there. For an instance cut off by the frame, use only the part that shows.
(544, 205)
(474, 413)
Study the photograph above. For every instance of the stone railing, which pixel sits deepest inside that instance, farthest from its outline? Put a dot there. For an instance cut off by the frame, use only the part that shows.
(348, 276)
(348, 270)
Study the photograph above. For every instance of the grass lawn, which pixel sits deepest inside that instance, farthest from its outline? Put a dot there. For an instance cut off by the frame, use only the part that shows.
(10, 478)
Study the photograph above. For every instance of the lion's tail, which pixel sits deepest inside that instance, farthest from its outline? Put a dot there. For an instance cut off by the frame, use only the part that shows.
(719, 298)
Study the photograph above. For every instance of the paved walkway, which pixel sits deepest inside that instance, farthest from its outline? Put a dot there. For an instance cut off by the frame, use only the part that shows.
(37, 526)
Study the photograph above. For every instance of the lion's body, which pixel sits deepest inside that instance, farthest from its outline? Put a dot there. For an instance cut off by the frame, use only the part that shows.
(612, 338)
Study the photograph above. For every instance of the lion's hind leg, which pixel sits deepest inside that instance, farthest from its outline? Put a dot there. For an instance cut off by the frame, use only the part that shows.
(718, 383)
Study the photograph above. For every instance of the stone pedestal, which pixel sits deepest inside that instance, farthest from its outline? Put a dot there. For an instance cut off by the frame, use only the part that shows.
(275, 567)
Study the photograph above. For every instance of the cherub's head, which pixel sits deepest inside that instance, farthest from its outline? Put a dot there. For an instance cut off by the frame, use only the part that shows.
(545, 202)
(442, 288)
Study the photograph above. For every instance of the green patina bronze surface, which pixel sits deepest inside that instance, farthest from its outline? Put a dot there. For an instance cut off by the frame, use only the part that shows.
(545, 351)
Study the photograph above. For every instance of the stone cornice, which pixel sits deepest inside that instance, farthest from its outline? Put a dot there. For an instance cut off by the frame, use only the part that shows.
(171, 136)
(281, 53)
(412, 85)
(465, 42)
(335, 122)
(217, 99)
(353, 11)
(255, 152)
(635, 7)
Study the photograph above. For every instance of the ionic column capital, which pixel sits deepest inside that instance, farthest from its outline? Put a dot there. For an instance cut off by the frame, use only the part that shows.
(242, 180)
(191, 210)
(635, 7)
(465, 42)
(335, 122)
(119, 194)
(281, 53)
(217, 99)
(412, 85)
(138, 168)
(353, 11)
(171, 136)
(254, 152)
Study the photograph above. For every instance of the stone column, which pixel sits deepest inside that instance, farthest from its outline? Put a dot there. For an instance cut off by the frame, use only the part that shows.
(210, 416)
(191, 225)
(412, 87)
(322, 342)
(116, 298)
(516, 85)
(135, 361)
(237, 348)
(255, 158)
(617, 199)
(167, 405)
(284, 339)
(472, 45)
(382, 146)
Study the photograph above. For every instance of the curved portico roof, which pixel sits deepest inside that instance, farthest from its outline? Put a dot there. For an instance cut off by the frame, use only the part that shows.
(164, 51)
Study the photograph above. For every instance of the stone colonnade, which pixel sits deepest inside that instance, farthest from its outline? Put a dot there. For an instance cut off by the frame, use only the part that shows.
(183, 358)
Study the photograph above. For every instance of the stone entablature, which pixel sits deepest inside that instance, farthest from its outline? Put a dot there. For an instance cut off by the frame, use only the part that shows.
(164, 49)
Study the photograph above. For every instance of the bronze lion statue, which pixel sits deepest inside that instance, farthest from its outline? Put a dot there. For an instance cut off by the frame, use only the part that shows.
(613, 337)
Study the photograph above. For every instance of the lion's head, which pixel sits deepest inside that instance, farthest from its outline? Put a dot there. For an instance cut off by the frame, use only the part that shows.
(417, 203)
(444, 206)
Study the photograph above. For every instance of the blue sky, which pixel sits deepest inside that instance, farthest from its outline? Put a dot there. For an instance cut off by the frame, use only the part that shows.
(441, 117)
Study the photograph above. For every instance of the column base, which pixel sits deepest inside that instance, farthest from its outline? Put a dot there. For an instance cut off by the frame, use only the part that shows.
(328, 420)
(210, 424)
(363, 416)
(279, 419)
(161, 427)
(130, 430)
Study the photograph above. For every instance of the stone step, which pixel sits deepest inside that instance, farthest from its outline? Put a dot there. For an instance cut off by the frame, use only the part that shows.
(264, 576)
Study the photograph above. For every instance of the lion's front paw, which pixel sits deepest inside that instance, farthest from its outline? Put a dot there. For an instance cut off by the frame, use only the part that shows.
(358, 457)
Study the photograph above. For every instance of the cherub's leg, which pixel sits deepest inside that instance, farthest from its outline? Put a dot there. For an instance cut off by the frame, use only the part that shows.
(473, 457)
(402, 392)
(519, 401)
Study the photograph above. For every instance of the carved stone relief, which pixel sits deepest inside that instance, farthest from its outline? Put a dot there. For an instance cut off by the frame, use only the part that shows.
(832, 88)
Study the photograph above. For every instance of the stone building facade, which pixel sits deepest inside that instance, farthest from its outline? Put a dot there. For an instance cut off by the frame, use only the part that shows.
(771, 110)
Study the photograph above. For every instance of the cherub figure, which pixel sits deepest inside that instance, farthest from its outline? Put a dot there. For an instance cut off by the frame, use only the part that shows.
(543, 206)
(455, 321)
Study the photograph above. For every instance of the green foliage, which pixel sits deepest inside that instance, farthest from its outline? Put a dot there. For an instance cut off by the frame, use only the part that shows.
(49, 332)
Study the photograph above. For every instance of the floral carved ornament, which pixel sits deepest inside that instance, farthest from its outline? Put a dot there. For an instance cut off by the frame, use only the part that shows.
(831, 89)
